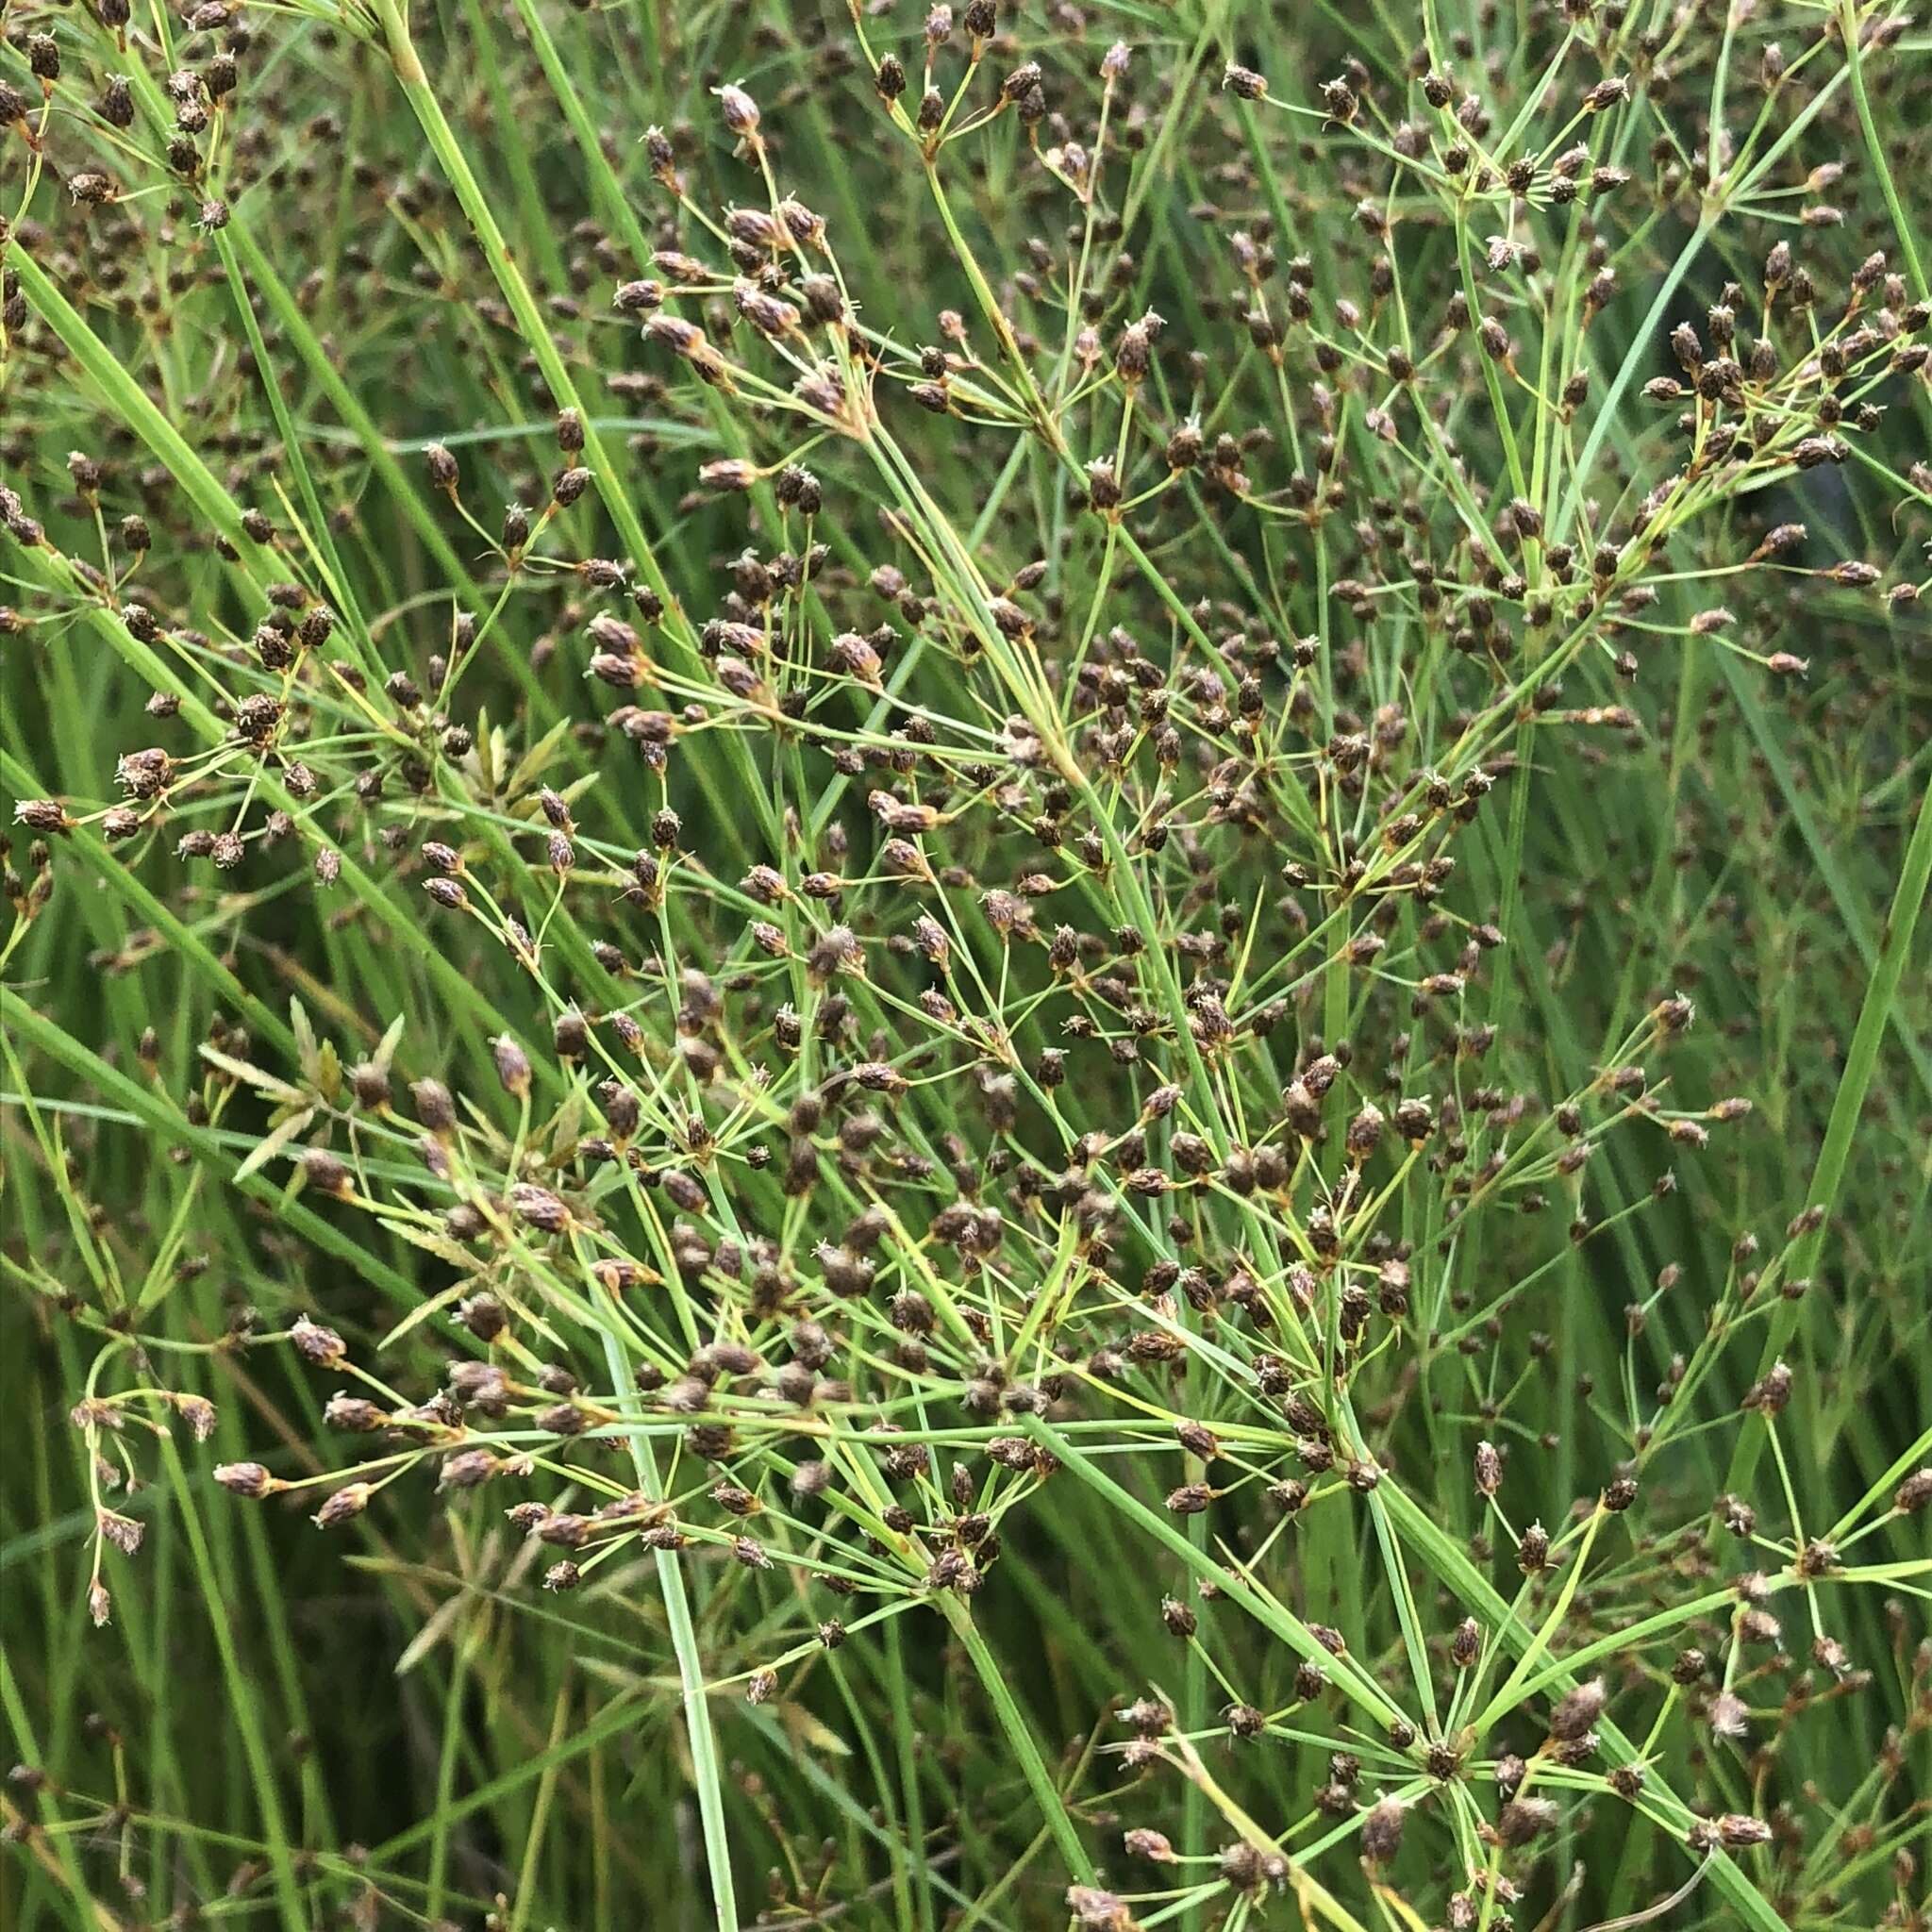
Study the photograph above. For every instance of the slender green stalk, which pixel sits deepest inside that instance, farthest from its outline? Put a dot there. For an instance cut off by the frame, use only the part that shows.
(705, 1768)
(1847, 1109)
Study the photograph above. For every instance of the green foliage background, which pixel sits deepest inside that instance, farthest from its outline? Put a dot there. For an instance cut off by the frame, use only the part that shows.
(1690, 766)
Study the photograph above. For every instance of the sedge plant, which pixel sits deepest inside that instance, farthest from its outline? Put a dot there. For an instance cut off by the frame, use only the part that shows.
(966, 971)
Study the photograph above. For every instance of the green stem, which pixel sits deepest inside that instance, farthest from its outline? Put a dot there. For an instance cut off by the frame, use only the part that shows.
(1020, 1735)
(690, 1673)
(1874, 149)
(1874, 1014)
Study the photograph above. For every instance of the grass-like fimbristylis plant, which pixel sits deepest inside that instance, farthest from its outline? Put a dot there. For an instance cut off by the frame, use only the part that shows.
(965, 969)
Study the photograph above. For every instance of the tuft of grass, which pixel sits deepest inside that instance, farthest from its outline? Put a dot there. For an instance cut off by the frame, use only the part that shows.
(965, 970)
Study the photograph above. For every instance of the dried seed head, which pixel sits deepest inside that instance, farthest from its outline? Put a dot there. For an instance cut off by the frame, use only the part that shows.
(1523, 1819)
(352, 1414)
(512, 1066)
(1576, 1713)
(348, 1502)
(246, 1479)
(322, 1346)
(737, 110)
(539, 1208)
(1382, 1830)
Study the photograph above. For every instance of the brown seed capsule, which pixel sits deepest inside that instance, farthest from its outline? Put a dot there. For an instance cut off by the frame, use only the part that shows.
(42, 814)
(246, 1479)
(1339, 100)
(198, 1413)
(512, 1066)
(539, 1208)
(1382, 1830)
(354, 1414)
(1523, 1819)
(562, 1530)
(738, 112)
(1576, 1713)
(349, 1501)
(1143, 1842)
(1770, 1393)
